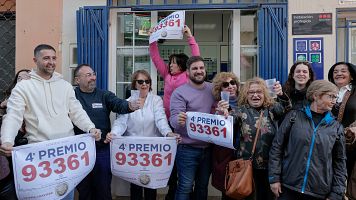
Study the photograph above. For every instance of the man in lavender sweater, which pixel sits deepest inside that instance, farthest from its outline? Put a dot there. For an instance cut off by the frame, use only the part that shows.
(193, 157)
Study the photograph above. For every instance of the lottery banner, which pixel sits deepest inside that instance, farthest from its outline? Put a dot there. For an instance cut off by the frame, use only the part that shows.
(170, 27)
(211, 128)
(144, 161)
(52, 169)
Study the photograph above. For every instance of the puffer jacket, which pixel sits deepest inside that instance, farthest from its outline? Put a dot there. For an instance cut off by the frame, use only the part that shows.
(309, 158)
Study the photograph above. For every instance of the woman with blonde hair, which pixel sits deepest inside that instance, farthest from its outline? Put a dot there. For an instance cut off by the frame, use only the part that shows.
(257, 108)
(307, 158)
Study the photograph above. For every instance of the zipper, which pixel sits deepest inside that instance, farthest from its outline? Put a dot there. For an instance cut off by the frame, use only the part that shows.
(310, 154)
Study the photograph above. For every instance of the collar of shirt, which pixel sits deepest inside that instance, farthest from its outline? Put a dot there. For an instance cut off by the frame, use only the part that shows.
(342, 92)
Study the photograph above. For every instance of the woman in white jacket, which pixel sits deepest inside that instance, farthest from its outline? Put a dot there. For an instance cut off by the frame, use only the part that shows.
(148, 121)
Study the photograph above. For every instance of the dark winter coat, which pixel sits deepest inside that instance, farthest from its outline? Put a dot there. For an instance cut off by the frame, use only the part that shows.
(309, 158)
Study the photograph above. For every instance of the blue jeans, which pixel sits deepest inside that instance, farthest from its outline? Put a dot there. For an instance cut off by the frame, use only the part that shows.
(97, 184)
(194, 168)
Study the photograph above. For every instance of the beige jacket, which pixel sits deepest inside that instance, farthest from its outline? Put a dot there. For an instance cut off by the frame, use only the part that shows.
(48, 108)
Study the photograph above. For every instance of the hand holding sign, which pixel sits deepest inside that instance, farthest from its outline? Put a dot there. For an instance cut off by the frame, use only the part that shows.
(210, 128)
(51, 169)
(169, 28)
(144, 161)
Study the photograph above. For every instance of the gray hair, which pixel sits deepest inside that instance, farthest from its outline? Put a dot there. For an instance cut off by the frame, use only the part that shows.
(320, 87)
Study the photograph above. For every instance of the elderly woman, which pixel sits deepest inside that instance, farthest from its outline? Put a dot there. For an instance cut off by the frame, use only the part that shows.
(300, 77)
(224, 81)
(254, 100)
(307, 158)
(149, 121)
(343, 75)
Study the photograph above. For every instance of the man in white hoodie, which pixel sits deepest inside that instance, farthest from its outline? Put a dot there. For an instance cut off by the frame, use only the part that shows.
(47, 104)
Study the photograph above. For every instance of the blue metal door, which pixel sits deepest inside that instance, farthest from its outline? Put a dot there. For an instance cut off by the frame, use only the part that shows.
(273, 42)
(92, 39)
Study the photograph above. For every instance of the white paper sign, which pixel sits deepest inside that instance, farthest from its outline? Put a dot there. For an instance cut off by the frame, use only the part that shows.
(170, 27)
(144, 161)
(210, 128)
(52, 169)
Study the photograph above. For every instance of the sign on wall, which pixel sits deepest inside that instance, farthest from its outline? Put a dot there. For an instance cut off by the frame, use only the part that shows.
(312, 24)
(312, 50)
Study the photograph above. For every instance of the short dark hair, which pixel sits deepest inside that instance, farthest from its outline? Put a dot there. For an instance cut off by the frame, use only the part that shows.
(42, 47)
(181, 60)
(193, 59)
(76, 71)
(135, 75)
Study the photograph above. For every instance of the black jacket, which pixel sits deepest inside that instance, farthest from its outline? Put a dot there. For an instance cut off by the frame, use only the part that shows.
(98, 105)
(309, 158)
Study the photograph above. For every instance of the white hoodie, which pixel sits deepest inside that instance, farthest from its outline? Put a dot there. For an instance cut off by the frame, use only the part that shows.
(48, 108)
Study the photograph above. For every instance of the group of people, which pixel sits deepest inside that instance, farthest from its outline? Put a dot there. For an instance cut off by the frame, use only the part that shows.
(306, 147)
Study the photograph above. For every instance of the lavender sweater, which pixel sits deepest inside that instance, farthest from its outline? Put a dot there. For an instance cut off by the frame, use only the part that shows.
(188, 98)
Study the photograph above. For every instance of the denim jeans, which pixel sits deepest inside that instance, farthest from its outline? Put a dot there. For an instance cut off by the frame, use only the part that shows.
(194, 168)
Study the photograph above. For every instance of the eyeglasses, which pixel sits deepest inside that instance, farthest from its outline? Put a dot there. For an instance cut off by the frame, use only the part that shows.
(143, 81)
(227, 84)
(89, 74)
(332, 97)
(257, 92)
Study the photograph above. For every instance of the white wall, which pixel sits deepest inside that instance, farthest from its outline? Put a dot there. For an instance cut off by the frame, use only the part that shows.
(321, 6)
(69, 34)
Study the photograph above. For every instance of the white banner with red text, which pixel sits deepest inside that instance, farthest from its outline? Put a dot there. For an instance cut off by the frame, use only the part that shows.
(144, 161)
(170, 27)
(52, 169)
(211, 128)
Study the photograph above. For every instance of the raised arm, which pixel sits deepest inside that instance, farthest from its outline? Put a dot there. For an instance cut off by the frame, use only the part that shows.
(156, 58)
(191, 41)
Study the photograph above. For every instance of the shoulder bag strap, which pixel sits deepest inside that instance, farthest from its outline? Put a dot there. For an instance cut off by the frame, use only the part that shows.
(343, 105)
(257, 133)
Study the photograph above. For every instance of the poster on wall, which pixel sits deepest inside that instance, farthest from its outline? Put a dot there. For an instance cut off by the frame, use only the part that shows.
(312, 24)
(311, 50)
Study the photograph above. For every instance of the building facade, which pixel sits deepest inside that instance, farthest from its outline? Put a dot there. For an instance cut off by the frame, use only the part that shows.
(249, 37)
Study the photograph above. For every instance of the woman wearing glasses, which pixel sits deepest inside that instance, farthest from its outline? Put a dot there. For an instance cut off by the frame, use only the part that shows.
(148, 121)
(301, 75)
(343, 75)
(307, 157)
(254, 100)
(224, 81)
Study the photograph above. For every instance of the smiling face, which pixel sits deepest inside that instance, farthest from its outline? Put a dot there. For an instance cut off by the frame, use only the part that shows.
(45, 61)
(341, 75)
(301, 76)
(255, 96)
(86, 79)
(197, 72)
(231, 88)
(325, 102)
(143, 84)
